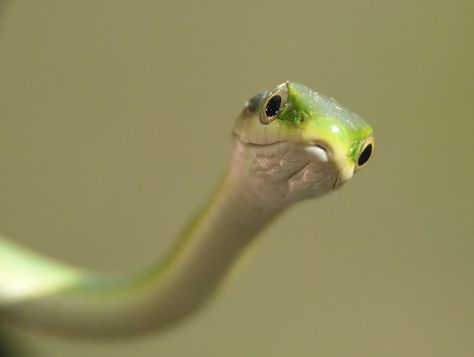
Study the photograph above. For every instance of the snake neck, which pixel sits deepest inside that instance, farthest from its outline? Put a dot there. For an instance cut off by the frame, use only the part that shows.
(96, 306)
(260, 183)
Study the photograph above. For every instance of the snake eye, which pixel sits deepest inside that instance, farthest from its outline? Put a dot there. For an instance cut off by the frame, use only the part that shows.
(253, 103)
(273, 106)
(274, 103)
(366, 153)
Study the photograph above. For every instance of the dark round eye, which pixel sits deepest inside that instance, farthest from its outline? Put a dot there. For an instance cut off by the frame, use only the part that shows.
(365, 155)
(253, 103)
(273, 106)
(274, 103)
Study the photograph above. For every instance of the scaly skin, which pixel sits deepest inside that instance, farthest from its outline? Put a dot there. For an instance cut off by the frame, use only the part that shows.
(290, 144)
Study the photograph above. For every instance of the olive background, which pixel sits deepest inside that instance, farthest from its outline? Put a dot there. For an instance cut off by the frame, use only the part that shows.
(115, 121)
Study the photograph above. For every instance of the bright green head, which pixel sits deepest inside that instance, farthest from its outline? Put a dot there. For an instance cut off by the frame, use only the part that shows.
(294, 113)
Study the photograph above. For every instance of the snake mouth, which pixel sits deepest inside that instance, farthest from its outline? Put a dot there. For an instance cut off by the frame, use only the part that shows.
(317, 148)
(257, 145)
(314, 152)
(319, 151)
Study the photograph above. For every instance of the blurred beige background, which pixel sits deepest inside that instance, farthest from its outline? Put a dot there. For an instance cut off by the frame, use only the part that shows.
(114, 128)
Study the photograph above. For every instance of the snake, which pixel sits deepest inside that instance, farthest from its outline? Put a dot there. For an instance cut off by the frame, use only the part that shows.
(289, 144)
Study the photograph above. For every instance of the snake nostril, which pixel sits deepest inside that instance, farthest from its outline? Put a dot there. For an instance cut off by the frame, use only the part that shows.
(365, 155)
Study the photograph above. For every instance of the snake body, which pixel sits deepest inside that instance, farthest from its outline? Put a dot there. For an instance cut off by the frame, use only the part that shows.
(290, 144)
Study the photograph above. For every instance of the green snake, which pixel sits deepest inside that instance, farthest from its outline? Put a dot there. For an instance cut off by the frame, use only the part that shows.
(289, 144)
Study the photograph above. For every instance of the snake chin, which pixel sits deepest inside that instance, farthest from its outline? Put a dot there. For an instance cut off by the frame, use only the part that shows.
(313, 179)
(285, 170)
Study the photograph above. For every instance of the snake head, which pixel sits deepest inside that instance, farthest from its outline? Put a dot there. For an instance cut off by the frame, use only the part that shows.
(305, 137)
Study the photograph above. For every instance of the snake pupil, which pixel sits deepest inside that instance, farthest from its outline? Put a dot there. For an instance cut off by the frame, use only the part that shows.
(273, 106)
(365, 155)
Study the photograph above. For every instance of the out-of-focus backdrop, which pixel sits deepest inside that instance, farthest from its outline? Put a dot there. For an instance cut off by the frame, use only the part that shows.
(114, 128)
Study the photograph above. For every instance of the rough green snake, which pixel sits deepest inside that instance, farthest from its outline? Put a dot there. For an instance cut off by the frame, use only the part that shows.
(289, 144)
